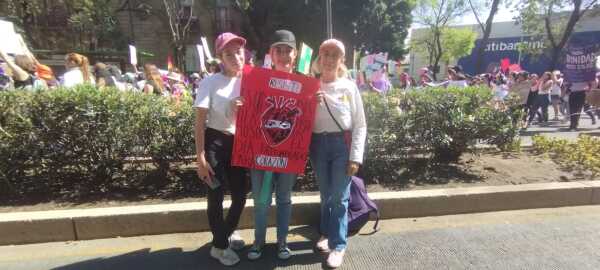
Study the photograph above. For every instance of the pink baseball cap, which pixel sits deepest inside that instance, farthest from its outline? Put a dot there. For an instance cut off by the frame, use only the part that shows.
(333, 43)
(225, 38)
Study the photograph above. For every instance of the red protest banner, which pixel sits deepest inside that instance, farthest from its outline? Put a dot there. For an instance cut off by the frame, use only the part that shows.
(274, 126)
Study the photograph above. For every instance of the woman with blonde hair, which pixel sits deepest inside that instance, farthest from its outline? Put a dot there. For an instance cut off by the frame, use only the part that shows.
(23, 68)
(337, 147)
(153, 83)
(78, 70)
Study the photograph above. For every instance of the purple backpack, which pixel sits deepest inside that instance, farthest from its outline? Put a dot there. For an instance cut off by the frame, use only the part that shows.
(360, 207)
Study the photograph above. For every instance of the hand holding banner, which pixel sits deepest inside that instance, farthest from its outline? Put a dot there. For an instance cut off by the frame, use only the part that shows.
(274, 127)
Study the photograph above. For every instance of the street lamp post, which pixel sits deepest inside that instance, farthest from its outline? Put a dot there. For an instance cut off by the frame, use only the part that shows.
(328, 21)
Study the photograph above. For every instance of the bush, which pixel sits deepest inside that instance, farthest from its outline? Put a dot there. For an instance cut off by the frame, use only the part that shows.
(582, 155)
(79, 139)
(443, 122)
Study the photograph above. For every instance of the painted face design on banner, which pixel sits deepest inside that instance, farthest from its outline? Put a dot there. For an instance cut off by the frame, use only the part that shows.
(279, 119)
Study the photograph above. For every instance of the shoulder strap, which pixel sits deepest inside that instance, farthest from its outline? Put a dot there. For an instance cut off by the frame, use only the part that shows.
(331, 114)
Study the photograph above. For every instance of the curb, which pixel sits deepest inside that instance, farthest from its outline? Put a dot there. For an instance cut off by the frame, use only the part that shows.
(73, 225)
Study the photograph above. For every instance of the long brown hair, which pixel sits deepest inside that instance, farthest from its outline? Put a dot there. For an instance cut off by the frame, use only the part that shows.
(82, 62)
(544, 79)
(153, 77)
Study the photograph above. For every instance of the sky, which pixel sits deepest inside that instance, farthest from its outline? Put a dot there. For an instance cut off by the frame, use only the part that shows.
(504, 14)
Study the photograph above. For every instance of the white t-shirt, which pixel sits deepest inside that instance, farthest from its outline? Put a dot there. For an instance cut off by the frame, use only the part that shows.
(74, 77)
(215, 94)
(346, 105)
(555, 90)
(459, 84)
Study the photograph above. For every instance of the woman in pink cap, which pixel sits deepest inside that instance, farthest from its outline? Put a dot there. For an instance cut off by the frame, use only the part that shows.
(337, 146)
(216, 105)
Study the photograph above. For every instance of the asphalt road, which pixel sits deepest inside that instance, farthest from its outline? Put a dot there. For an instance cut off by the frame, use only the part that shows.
(559, 129)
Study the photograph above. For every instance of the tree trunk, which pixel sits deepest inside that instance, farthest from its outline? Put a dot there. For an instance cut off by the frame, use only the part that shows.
(179, 58)
(486, 36)
(558, 47)
(438, 53)
(555, 57)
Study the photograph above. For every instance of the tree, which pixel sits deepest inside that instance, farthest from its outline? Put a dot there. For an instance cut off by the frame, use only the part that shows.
(95, 22)
(372, 25)
(544, 19)
(486, 28)
(437, 15)
(381, 26)
(67, 24)
(179, 17)
(457, 42)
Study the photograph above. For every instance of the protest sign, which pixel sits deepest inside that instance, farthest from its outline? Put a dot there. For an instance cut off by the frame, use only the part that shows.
(206, 48)
(580, 64)
(373, 64)
(305, 58)
(200, 50)
(273, 128)
(12, 42)
(133, 55)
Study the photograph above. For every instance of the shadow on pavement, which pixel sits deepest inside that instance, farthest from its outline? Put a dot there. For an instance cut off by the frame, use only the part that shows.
(176, 258)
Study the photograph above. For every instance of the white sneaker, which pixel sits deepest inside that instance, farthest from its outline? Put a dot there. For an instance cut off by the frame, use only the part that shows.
(255, 252)
(335, 258)
(283, 252)
(323, 244)
(236, 242)
(227, 256)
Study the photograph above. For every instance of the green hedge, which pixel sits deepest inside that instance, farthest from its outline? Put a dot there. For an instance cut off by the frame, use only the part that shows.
(436, 124)
(78, 140)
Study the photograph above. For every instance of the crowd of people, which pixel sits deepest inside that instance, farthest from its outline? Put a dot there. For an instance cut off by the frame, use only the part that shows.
(339, 116)
(25, 72)
(536, 94)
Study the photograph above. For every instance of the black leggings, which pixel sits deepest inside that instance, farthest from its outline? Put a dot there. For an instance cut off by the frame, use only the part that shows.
(576, 102)
(218, 148)
(541, 102)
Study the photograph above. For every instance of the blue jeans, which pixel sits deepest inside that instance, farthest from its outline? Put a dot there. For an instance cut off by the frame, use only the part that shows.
(329, 159)
(283, 182)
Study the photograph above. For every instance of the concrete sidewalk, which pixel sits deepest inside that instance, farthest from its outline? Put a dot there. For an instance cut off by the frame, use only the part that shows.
(71, 225)
(549, 238)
